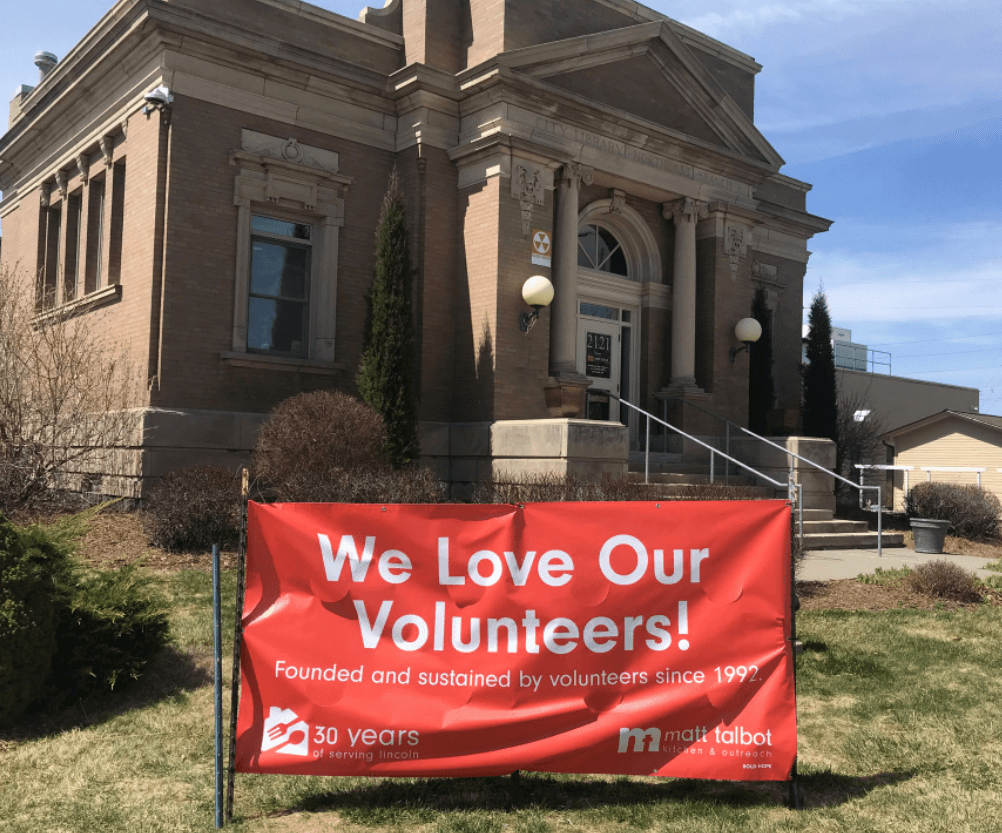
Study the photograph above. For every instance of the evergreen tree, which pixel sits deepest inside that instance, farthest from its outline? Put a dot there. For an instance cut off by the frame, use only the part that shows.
(761, 391)
(386, 375)
(819, 411)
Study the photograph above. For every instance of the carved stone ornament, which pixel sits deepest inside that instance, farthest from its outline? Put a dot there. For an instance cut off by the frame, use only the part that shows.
(61, 183)
(84, 168)
(125, 127)
(45, 194)
(617, 199)
(764, 271)
(289, 150)
(528, 187)
(108, 150)
(576, 173)
(685, 210)
(736, 240)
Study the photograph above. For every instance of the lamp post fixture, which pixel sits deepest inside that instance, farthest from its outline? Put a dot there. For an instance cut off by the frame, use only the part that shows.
(747, 331)
(537, 292)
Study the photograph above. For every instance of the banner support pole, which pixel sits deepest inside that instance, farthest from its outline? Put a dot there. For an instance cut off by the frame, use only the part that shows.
(217, 652)
(796, 798)
(237, 632)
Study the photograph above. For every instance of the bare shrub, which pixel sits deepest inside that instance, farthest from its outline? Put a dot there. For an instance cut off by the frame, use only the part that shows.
(972, 511)
(944, 580)
(191, 509)
(68, 393)
(327, 447)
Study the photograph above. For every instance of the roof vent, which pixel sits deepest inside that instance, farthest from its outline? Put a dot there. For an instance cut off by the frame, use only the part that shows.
(45, 61)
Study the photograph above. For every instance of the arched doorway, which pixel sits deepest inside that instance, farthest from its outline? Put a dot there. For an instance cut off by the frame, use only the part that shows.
(617, 254)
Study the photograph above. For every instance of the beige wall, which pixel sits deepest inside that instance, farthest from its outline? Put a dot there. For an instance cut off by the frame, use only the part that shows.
(950, 442)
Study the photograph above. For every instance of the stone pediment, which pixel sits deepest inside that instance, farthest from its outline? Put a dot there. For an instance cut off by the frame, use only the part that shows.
(648, 72)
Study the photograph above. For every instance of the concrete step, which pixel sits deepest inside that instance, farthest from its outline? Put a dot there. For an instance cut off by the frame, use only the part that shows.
(851, 540)
(818, 515)
(834, 527)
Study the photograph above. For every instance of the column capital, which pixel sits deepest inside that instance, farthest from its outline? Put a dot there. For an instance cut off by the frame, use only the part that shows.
(575, 173)
(685, 210)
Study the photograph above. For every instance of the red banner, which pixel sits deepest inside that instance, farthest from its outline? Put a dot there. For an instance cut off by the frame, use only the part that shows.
(637, 638)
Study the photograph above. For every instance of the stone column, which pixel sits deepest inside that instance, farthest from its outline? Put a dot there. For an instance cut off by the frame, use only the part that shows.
(566, 397)
(686, 213)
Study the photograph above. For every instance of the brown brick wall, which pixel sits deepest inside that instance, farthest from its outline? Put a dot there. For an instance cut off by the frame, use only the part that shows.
(434, 248)
(522, 358)
(201, 251)
(475, 326)
(297, 32)
(787, 323)
(529, 22)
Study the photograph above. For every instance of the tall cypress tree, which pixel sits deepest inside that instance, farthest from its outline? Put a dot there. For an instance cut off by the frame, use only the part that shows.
(386, 375)
(819, 411)
(761, 390)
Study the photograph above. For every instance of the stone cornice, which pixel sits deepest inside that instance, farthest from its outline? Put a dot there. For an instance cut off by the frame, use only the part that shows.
(504, 104)
(660, 43)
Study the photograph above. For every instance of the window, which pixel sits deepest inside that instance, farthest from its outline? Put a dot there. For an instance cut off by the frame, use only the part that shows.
(290, 206)
(71, 257)
(599, 249)
(279, 309)
(95, 235)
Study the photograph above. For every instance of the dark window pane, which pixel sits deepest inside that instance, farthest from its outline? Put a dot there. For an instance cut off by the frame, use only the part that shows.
(617, 264)
(587, 240)
(277, 326)
(606, 243)
(272, 226)
(279, 270)
(599, 311)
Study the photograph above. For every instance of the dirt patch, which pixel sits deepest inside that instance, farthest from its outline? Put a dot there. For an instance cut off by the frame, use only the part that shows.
(117, 538)
(851, 594)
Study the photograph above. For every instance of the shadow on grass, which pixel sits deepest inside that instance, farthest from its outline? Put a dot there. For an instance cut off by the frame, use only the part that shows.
(393, 802)
(828, 789)
(171, 674)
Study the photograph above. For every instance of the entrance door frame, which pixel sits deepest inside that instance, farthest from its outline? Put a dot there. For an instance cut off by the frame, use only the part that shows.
(610, 290)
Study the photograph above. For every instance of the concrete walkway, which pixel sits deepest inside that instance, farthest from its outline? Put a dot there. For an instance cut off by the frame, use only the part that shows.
(825, 565)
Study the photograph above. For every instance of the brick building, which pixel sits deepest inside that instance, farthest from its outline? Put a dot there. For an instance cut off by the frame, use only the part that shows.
(227, 236)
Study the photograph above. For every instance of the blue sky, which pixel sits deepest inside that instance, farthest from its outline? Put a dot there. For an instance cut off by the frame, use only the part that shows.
(892, 109)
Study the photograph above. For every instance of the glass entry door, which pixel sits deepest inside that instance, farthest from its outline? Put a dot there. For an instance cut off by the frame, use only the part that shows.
(600, 358)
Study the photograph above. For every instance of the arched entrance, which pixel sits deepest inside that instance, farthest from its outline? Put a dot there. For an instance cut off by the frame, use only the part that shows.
(617, 254)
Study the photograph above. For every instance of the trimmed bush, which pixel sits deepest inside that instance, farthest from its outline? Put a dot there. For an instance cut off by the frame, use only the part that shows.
(326, 447)
(191, 509)
(315, 433)
(944, 580)
(972, 511)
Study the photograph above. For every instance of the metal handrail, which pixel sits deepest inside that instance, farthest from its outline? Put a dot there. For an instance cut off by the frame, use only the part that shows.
(795, 491)
(818, 466)
(713, 450)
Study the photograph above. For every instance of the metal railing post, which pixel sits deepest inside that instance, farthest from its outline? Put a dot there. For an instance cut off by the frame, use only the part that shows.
(727, 450)
(711, 465)
(880, 522)
(800, 510)
(647, 453)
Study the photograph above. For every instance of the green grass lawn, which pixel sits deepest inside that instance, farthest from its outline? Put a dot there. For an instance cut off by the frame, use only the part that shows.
(899, 731)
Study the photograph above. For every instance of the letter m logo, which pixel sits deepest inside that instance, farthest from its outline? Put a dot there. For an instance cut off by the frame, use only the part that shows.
(652, 735)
